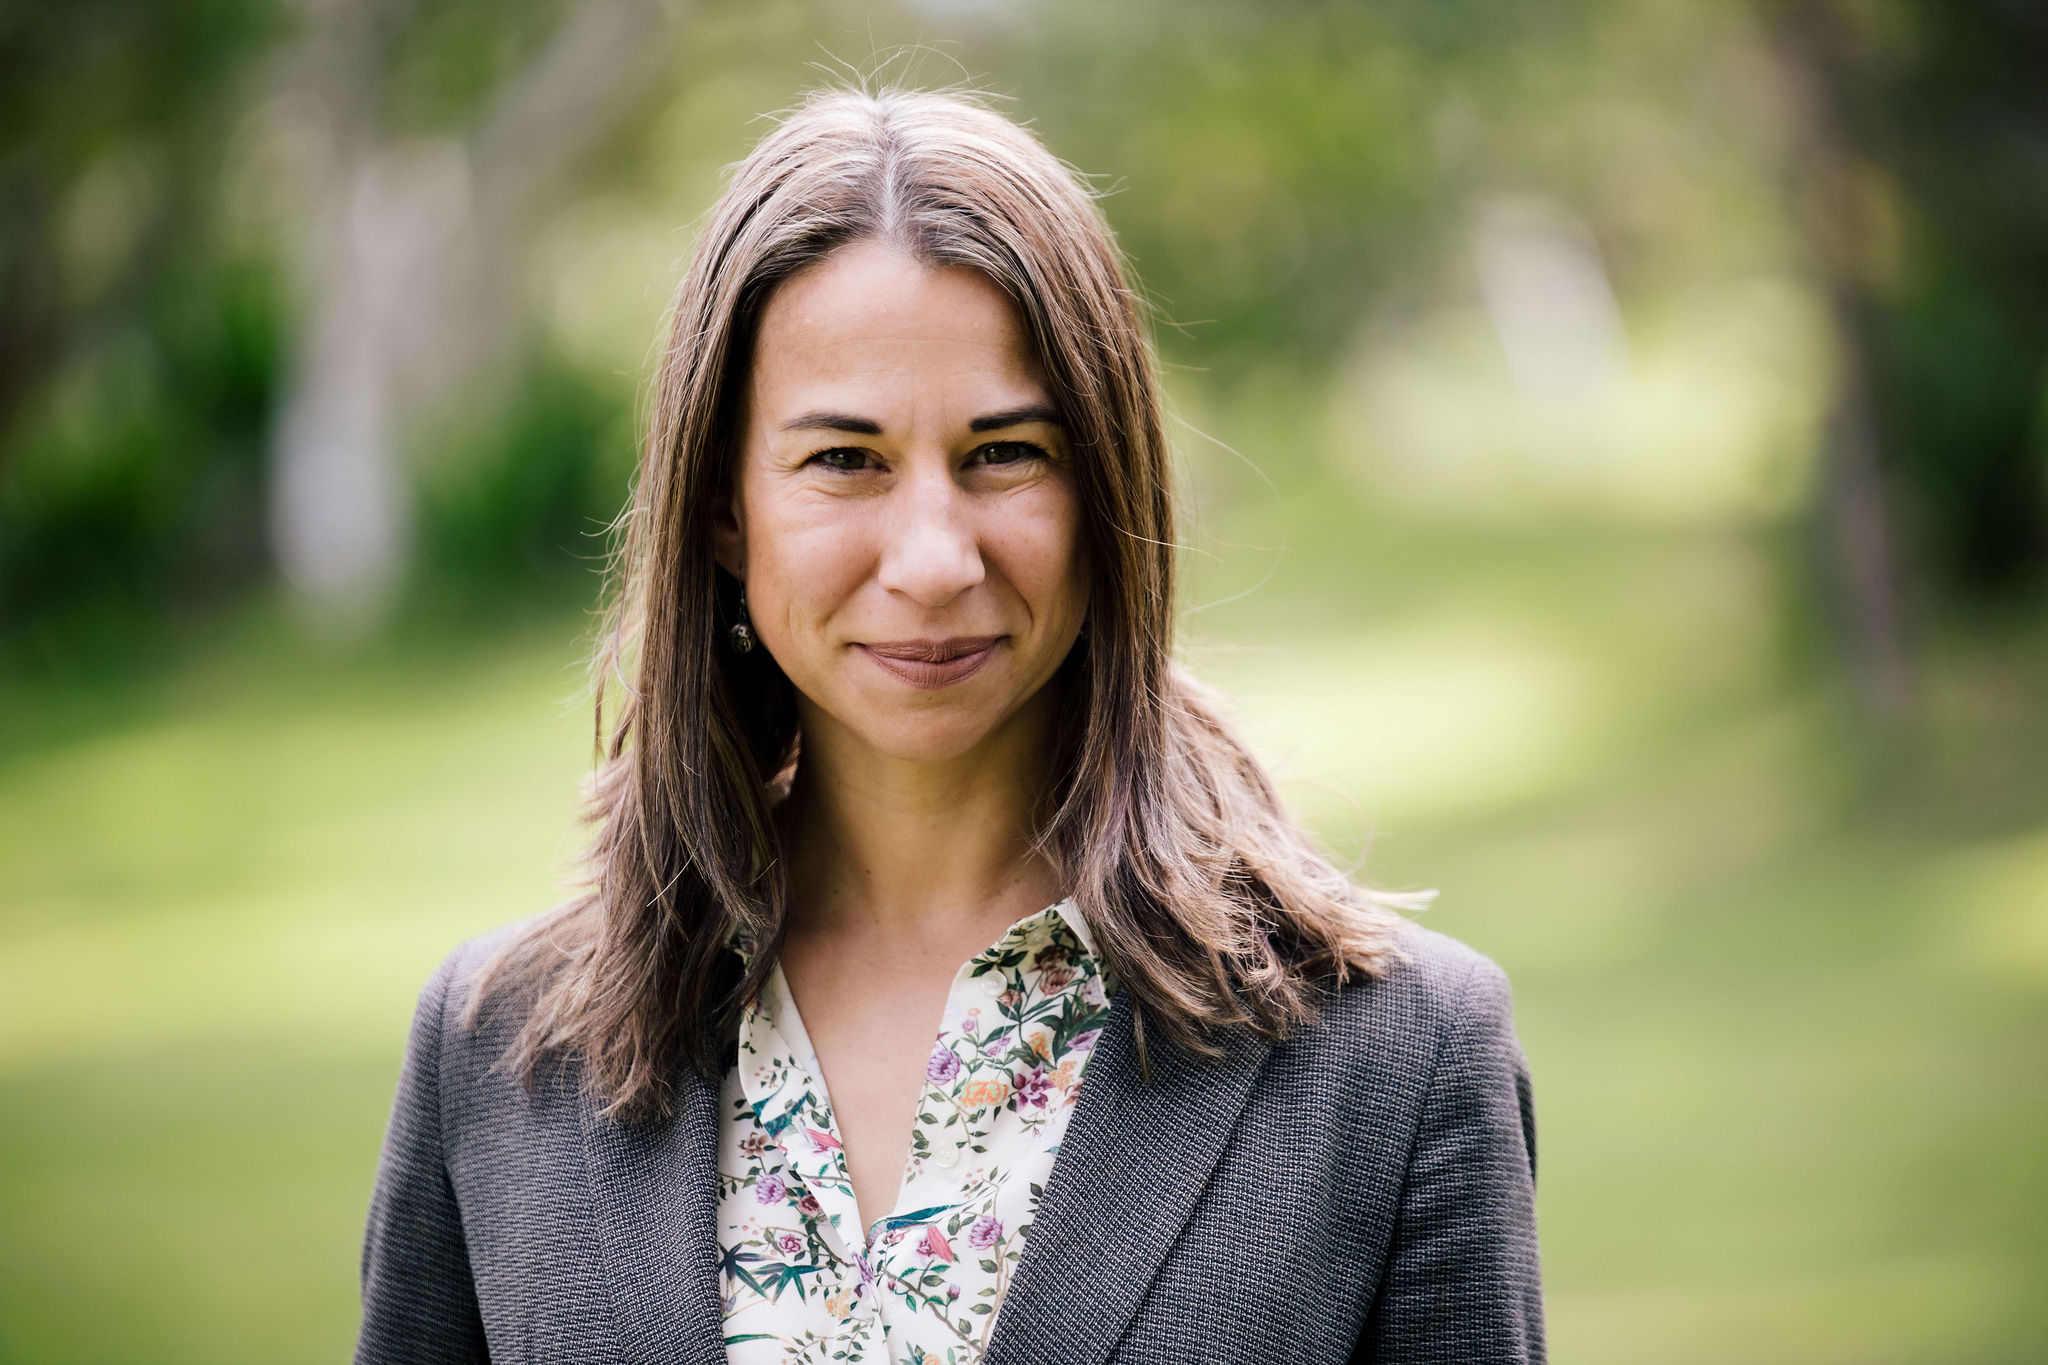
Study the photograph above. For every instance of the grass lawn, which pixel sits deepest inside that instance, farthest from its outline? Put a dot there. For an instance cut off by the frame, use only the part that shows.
(1786, 1007)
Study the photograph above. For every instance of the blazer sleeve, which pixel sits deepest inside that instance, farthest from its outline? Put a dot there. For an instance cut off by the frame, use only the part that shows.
(419, 1300)
(1462, 1282)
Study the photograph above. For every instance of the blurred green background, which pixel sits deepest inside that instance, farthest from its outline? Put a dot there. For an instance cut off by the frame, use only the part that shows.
(1614, 439)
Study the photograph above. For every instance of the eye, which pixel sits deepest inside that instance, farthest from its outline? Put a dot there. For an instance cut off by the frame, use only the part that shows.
(1009, 452)
(845, 459)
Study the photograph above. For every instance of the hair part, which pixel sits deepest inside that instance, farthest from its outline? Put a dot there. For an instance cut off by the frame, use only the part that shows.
(1207, 901)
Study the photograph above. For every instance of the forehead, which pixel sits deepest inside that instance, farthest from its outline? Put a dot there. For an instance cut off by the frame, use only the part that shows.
(872, 321)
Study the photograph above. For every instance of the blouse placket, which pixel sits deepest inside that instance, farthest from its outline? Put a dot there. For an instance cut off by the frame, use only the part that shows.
(1002, 1076)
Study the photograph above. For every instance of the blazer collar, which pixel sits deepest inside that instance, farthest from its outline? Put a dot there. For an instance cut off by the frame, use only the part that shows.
(1135, 1158)
(655, 1188)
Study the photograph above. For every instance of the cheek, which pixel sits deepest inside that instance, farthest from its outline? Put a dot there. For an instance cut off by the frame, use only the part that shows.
(1037, 542)
(803, 562)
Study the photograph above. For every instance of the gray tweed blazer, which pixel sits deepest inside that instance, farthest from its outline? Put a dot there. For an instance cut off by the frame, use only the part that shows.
(1360, 1192)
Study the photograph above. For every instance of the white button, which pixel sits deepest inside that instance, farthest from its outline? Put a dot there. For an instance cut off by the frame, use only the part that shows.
(993, 984)
(947, 1155)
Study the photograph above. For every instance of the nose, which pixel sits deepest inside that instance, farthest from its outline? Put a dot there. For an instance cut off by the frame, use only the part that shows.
(932, 552)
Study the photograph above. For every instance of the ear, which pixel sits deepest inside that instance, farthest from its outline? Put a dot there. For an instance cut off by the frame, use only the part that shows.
(729, 533)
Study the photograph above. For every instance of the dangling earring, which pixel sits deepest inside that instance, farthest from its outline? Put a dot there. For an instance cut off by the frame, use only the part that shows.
(742, 633)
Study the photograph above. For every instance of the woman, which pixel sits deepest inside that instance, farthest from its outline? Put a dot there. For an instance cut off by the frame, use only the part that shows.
(902, 744)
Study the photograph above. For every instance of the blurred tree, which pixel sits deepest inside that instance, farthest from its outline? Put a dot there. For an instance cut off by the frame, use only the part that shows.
(1923, 157)
(189, 386)
(1278, 169)
(245, 245)
(1845, 212)
(1960, 335)
(411, 258)
(137, 337)
(516, 503)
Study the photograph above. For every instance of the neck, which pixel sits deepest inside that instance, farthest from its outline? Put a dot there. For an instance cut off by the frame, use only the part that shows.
(885, 845)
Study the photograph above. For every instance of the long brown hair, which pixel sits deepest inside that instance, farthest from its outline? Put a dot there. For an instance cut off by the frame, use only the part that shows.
(1206, 901)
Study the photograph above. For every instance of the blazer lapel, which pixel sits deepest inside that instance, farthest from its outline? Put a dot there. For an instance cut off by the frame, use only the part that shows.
(656, 1191)
(1134, 1160)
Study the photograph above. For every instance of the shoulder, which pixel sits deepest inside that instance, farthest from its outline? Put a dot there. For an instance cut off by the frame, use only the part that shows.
(443, 1018)
(460, 1060)
(1434, 981)
(1437, 995)
(463, 967)
(1420, 1063)
(1435, 1037)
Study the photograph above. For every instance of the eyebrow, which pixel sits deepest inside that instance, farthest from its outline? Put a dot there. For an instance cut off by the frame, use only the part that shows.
(1016, 417)
(866, 426)
(834, 421)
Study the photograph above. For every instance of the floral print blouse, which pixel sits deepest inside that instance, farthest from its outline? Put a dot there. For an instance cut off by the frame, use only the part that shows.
(801, 1279)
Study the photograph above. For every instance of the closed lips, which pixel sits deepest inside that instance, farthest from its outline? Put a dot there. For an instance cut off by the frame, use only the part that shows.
(929, 665)
(933, 651)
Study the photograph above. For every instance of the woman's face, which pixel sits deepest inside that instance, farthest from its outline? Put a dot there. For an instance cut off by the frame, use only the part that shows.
(904, 514)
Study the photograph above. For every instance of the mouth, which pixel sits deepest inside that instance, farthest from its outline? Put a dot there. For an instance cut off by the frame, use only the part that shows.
(932, 664)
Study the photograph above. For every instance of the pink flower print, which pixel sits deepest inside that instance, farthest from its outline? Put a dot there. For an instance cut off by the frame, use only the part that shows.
(770, 1188)
(943, 1066)
(1056, 979)
(1051, 955)
(1084, 1041)
(952, 1292)
(1033, 1088)
(985, 1232)
(972, 1021)
(822, 1141)
(809, 1206)
(754, 1143)
(1092, 992)
(789, 1243)
(934, 1244)
(1010, 999)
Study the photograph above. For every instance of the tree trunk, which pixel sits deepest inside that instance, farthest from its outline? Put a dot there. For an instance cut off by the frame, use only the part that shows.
(409, 269)
(1836, 196)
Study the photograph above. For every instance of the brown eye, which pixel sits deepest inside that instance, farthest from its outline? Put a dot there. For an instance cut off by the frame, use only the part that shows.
(844, 459)
(1009, 452)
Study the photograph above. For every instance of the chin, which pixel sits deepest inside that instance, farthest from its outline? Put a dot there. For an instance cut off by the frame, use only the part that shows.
(922, 727)
(928, 737)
